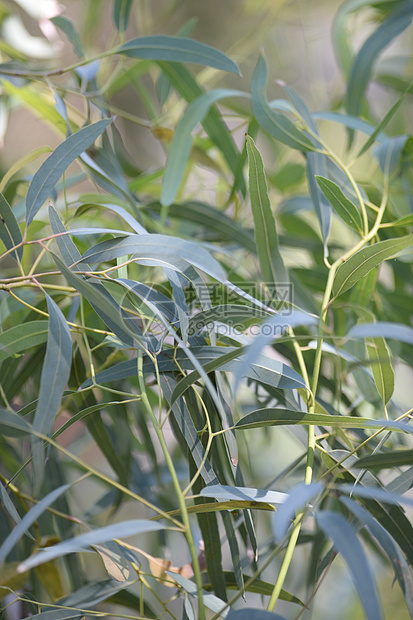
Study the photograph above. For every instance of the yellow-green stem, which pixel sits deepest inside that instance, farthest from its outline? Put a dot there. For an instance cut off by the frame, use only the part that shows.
(175, 482)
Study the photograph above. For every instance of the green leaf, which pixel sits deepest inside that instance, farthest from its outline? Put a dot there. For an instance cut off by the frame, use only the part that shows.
(257, 586)
(123, 529)
(21, 337)
(394, 331)
(340, 203)
(253, 614)
(9, 506)
(54, 378)
(181, 144)
(362, 67)
(12, 424)
(384, 460)
(121, 11)
(9, 229)
(29, 518)
(346, 542)
(177, 49)
(65, 25)
(224, 492)
(283, 417)
(266, 239)
(56, 164)
(383, 373)
(297, 499)
(363, 261)
(274, 123)
(233, 314)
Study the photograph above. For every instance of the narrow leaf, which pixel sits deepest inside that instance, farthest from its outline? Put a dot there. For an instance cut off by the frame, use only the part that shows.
(29, 518)
(346, 542)
(363, 63)
(180, 146)
(54, 377)
(383, 460)
(266, 239)
(394, 331)
(274, 123)
(177, 49)
(56, 164)
(121, 11)
(124, 529)
(363, 261)
(342, 205)
(224, 492)
(22, 337)
(65, 25)
(9, 229)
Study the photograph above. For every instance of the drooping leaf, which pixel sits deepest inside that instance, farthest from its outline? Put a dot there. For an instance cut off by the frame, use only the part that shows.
(363, 261)
(124, 529)
(19, 338)
(266, 239)
(297, 498)
(383, 460)
(363, 63)
(394, 331)
(177, 49)
(54, 378)
(9, 229)
(65, 25)
(340, 203)
(346, 542)
(29, 518)
(56, 164)
(121, 11)
(180, 146)
(274, 123)
(10, 507)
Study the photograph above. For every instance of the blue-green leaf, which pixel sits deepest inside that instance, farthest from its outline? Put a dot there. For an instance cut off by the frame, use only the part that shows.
(9, 506)
(363, 261)
(54, 377)
(19, 338)
(340, 203)
(121, 11)
(180, 146)
(253, 614)
(346, 542)
(177, 49)
(29, 518)
(123, 529)
(274, 123)
(56, 164)
(394, 331)
(266, 238)
(223, 492)
(296, 500)
(66, 26)
(362, 67)
(9, 229)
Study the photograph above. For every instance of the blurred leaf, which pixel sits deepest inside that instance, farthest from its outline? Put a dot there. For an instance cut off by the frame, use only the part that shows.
(210, 601)
(19, 338)
(121, 10)
(225, 492)
(274, 123)
(362, 66)
(177, 49)
(9, 229)
(9, 506)
(56, 164)
(123, 529)
(181, 144)
(342, 205)
(296, 500)
(363, 261)
(383, 460)
(346, 542)
(65, 25)
(29, 518)
(393, 331)
(253, 614)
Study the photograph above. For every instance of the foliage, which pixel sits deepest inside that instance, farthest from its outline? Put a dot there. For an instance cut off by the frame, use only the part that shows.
(180, 338)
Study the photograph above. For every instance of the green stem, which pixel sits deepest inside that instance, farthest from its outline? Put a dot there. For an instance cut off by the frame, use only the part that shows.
(175, 482)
